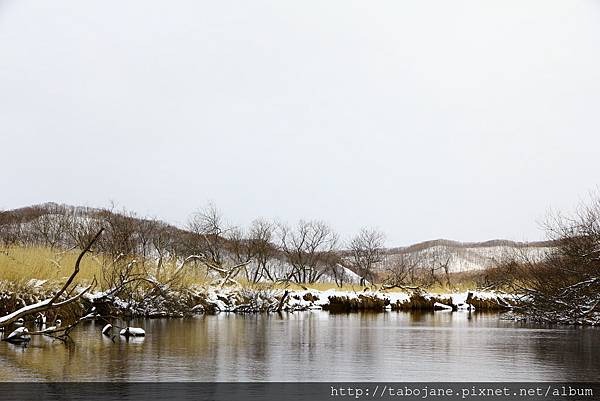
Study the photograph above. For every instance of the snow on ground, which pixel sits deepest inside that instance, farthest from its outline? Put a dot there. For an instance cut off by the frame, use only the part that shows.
(313, 299)
(297, 298)
(35, 283)
(241, 299)
(345, 274)
(465, 258)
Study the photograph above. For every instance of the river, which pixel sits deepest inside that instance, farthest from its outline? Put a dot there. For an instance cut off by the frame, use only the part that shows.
(315, 346)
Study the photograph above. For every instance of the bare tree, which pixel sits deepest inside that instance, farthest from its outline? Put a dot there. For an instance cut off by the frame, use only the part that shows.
(208, 229)
(309, 249)
(5, 228)
(338, 270)
(400, 270)
(81, 226)
(209, 243)
(164, 244)
(254, 245)
(120, 238)
(339, 275)
(565, 286)
(367, 251)
(437, 267)
(145, 230)
(263, 251)
(50, 227)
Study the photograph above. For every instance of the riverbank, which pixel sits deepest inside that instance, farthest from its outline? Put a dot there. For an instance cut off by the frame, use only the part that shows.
(162, 302)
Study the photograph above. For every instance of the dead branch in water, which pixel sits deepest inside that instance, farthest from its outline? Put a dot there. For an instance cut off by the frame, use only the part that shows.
(51, 303)
(283, 298)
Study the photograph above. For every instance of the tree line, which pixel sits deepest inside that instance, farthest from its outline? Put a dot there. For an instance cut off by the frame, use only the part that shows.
(264, 251)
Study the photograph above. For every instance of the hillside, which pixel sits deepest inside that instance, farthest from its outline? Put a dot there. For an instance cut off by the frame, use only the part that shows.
(469, 256)
(63, 227)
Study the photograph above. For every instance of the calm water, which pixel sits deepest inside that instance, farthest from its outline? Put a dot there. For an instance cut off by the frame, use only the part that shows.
(316, 346)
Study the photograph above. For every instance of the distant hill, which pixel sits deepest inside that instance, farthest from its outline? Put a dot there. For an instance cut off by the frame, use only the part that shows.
(24, 223)
(467, 256)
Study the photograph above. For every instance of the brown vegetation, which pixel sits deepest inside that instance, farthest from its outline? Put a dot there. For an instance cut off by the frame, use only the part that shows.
(565, 286)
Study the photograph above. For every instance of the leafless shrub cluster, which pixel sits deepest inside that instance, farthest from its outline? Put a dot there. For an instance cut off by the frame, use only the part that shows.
(564, 287)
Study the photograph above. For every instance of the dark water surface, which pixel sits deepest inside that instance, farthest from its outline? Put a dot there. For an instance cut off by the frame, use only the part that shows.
(316, 346)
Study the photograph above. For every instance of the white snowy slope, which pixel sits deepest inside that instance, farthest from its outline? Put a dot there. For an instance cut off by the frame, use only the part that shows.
(472, 256)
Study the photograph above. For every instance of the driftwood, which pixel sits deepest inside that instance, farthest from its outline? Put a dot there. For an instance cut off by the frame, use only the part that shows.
(53, 303)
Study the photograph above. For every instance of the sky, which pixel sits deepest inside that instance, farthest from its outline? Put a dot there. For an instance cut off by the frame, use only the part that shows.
(465, 120)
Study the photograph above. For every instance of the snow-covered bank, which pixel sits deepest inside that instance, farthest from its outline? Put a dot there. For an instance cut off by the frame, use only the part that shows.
(336, 300)
(166, 302)
(248, 300)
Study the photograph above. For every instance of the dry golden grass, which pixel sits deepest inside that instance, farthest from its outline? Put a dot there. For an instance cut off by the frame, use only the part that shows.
(188, 277)
(311, 286)
(21, 264)
(457, 286)
(333, 286)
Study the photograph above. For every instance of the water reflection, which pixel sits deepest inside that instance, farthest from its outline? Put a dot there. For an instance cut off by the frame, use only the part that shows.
(316, 346)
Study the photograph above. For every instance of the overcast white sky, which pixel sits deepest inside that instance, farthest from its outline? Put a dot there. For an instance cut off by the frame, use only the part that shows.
(465, 120)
